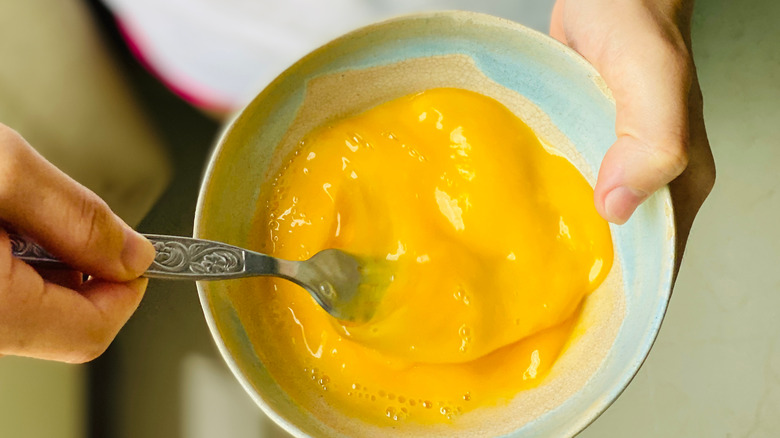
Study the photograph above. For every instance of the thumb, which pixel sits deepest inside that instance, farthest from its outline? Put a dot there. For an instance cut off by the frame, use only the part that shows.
(70, 221)
(651, 88)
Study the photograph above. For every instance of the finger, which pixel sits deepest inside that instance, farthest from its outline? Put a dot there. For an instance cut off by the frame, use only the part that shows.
(556, 22)
(67, 219)
(651, 88)
(69, 327)
(47, 321)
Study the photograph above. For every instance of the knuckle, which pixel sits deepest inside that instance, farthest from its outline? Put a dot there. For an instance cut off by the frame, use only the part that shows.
(706, 180)
(90, 354)
(672, 161)
(92, 220)
(669, 157)
(11, 159)
(94, 344)
(709, 178)
(8, 134)
(83, 356)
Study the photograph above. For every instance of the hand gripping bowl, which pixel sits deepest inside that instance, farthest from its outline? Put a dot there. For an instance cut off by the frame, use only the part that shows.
(549, 86)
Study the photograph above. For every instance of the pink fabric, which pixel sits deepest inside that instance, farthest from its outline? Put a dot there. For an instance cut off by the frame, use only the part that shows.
(218, 54)
(193, 93)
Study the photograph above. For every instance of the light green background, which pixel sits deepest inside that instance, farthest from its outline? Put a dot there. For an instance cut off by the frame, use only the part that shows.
(41, 399)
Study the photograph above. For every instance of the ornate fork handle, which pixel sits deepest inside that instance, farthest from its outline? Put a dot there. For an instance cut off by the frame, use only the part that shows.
(177, 258)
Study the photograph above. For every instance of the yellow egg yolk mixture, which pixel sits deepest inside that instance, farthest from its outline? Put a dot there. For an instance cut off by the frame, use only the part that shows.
(491, 237)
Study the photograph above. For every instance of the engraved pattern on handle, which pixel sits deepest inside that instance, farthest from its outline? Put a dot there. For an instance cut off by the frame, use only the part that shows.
(182, 255)
(30, 251)
(177, 257)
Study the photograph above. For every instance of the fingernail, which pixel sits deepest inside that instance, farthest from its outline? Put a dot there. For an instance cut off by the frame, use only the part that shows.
(138, 252)
(620, 203)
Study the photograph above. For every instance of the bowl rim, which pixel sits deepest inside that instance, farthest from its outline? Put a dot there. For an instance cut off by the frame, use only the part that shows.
(612, 391)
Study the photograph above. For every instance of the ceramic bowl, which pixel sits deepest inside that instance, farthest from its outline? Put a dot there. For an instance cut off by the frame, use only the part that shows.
(556, 92)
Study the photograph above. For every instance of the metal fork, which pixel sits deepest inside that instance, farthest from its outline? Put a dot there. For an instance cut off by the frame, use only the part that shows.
(332, 277)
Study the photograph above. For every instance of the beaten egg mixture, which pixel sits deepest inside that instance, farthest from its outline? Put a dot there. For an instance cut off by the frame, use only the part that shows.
(489, 237)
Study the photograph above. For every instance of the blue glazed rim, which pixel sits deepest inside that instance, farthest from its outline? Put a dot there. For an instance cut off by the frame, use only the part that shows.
(563, 85)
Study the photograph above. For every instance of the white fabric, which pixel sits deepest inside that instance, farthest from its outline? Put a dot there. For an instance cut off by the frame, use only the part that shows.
(222, 52)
